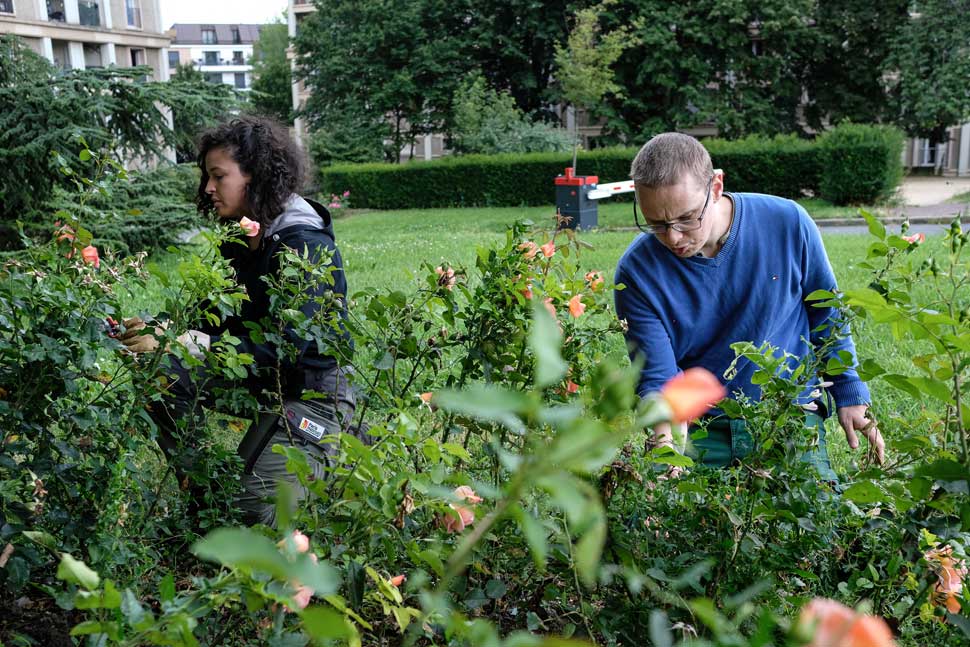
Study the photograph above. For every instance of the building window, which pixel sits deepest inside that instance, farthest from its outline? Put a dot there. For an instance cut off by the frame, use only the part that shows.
(173, 60)
(6, 6)
(211, 58)
(209, 36)
(213, 77)
(55, 11)
(235, 35)
(241, 80)
(88, 13)
(137, 57)
(237, 58)
(133, 11)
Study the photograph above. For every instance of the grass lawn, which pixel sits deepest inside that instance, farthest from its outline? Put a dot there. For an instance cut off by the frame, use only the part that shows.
(384, 249)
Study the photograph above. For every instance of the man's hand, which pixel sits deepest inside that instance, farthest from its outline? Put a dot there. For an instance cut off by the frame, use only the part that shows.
(855, 419)
(663, 436)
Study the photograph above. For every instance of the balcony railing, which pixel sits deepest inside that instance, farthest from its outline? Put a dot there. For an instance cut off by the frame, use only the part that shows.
(88, 13)
(221, 61)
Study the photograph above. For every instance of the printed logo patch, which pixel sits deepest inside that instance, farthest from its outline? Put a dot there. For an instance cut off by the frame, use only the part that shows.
(312, 429)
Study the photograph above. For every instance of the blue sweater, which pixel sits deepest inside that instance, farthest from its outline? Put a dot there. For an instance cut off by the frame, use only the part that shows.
(687, 312)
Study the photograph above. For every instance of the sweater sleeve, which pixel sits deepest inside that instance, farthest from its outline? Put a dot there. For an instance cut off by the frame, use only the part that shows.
(646, 337)
(847, 388)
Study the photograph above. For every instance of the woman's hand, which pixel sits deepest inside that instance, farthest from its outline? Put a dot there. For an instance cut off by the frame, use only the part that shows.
(137, 339)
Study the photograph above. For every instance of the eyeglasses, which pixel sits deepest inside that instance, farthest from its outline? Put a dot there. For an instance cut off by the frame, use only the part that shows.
(691, 224)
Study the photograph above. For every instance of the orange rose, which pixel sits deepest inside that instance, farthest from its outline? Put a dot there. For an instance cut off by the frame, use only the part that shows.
(398, 580)
(691, 393)
(90, 255)
(529, 249)
(576, 306)
(549, 249)
(572, 387)
(595, 280)
(950, 573)
(836, 625)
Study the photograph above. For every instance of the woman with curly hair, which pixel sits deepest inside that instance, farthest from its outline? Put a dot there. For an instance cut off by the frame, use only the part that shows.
(250, 173)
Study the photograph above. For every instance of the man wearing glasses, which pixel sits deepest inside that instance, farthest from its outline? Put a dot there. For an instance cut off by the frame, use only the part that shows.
(716, 268)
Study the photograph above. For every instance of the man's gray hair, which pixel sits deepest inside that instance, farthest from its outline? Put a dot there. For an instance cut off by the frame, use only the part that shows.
(667, 157)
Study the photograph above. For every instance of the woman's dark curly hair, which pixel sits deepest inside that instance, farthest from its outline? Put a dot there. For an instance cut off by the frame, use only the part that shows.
(263, 149)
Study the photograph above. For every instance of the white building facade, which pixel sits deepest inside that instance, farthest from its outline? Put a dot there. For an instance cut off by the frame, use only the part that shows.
(223, 52)
(81, 34)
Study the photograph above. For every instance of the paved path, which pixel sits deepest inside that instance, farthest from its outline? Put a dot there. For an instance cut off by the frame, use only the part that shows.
(925, 190)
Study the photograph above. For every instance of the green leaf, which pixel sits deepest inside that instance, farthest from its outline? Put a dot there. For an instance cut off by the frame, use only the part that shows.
(131, 608)
(325, 623)
(819, 295)
(84, 155)
(166, 588)
(89, 627)
(864, 492)
(77, 572)
(488, 403)
(495, 589)
(545, 341)
(244, 549)
(943, 469)
(535, 536)
(660, 633)
(588, 550)
(109, 598)
(876, 228)
(285, 504)
(44, 539)
(865, 298)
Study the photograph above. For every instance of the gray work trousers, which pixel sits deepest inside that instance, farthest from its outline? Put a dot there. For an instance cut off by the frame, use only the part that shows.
(180, 422)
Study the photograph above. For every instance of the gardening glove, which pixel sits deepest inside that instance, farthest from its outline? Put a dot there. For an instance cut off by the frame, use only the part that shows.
(857, 418)
(197, 342)
(136, 339)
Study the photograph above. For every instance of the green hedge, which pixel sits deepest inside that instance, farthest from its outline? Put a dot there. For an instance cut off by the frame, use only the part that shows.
(862, 163)
(784, 165)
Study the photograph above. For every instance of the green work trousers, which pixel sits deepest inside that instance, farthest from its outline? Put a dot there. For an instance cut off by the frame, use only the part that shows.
(728, 441)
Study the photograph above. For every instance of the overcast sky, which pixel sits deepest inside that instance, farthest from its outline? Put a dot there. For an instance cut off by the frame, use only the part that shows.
(220, 11)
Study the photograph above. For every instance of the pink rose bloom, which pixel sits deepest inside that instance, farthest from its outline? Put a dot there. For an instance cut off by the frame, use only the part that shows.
(90, 255)
(466, 516)
(572, 387)
(549, 249)
(446, 277)
(915, 238)
(346, 194)
(576, 306)
(302, 596)
(551, 308)
(250, 227)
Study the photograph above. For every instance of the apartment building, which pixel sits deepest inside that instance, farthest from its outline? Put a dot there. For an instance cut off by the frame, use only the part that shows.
(80, 34)
(427, 147)
(223, 53)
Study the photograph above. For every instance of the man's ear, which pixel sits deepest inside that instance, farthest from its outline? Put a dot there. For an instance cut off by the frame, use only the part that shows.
(717, 185)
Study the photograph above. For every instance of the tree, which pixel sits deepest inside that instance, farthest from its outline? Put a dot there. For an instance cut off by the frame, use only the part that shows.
(271, 93)
(847, 69)
(196, 105)
(43, 112)
(384, 61)
(488, 121)
(584, 63)
(735, 63)
(513, 43)
(930, 67)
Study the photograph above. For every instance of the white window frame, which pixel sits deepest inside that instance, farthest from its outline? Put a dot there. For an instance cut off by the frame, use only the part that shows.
(13, 9)
(137, 7)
